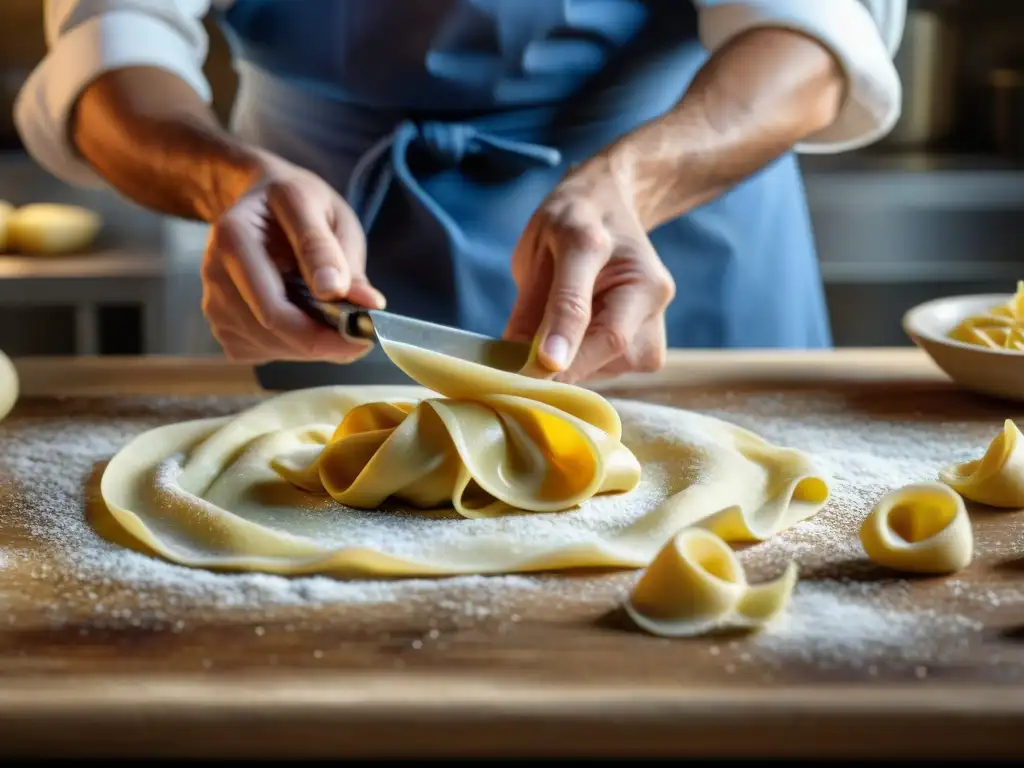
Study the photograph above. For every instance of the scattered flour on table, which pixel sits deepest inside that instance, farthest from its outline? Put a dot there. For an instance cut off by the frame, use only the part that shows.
(50, 450)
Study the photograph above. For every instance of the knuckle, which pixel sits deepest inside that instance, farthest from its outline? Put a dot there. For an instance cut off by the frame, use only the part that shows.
(571, 307)
(207, 270)
(616, 342)
(213, 302)
(582, 237)
(652, 360)
(663, 288)
(289, 192)
(314, 246)
(217, 247)
(271, 317)
(209, 308)
(551, 210)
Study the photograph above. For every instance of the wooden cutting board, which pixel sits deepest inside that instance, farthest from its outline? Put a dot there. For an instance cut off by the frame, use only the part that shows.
(506, 666)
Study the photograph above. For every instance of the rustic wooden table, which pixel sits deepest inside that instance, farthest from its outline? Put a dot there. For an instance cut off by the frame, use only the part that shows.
(566, 679)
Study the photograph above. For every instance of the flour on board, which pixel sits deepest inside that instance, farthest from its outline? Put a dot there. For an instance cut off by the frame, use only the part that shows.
(51, 455)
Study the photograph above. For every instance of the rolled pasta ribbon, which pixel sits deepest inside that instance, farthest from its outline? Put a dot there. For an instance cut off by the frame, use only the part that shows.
(531, 446)
(997, 478)
(920, 528)
(696, 585)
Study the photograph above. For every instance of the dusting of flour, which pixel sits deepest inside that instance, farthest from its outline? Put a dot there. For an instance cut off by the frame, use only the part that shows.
(51, 454)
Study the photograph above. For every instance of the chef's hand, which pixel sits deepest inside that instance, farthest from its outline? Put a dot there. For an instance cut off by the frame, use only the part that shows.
(589, 281)
(288, 216)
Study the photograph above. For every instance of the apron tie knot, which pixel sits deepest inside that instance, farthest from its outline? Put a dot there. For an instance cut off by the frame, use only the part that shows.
(447, 143)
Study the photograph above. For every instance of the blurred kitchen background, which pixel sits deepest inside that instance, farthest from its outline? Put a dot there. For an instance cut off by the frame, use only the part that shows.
(935, 209)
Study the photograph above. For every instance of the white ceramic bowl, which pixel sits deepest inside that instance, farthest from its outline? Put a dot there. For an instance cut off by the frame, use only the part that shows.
(994, 372)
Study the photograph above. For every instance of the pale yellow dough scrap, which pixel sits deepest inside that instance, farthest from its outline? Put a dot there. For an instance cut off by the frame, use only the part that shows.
(696, 585)
(920, 528)
(997, 478)
(51, 228)
(492, 472)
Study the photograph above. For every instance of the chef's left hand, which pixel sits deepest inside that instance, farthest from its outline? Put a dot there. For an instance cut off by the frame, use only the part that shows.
(589, 281)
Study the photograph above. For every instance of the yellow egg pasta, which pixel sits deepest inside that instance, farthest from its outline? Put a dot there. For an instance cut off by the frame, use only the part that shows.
(920, 528)
(473, 471)
(1001, 327)
(696, 585)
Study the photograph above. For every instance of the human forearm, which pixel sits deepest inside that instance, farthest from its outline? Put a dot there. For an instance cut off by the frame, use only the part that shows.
(154, 139)
(752, 101)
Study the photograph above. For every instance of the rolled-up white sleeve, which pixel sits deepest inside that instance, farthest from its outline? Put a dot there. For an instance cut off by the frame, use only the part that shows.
(85, 39)
(862, 34)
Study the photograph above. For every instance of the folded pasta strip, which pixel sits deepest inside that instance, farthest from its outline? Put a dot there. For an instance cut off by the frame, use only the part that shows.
(997, 478)
(485, 457)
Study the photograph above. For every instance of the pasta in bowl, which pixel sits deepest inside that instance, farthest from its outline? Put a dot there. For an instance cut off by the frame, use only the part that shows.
(975, 339)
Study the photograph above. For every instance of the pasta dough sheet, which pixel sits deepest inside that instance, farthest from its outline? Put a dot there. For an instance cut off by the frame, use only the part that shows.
(214, 493)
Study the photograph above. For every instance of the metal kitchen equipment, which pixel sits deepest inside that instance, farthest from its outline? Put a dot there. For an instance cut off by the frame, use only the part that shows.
(927, 61)
(380, 325)
(376, 367)
(1006, 87)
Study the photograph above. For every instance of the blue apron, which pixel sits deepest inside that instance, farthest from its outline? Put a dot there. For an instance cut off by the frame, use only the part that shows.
(445, 123)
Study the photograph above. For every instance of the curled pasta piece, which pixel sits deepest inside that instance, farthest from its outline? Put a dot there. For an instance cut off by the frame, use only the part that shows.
(696, 585)
(997, 478)
(920, 528)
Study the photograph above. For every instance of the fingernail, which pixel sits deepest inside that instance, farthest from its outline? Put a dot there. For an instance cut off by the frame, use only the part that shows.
(379, 301)
(327, 280)
(556, 349)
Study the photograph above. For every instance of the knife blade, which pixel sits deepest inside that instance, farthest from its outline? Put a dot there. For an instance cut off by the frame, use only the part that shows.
(376, 325)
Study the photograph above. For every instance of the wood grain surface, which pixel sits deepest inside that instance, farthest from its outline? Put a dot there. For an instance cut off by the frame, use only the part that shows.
(479, 673)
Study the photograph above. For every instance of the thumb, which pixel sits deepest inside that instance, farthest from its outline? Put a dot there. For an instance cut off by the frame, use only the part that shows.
(568, 308)
(305, 222)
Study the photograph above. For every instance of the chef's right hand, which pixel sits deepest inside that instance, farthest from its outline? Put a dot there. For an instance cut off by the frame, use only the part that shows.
(288, 217)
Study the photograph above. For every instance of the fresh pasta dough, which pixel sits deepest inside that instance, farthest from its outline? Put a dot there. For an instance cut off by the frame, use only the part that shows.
(527, 474)
(1001, 327)
(696, 585)
(997, 478)
(920, 528)
(524, 446)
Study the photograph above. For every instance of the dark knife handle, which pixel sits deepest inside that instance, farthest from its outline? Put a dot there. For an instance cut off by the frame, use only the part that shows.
(348, 319)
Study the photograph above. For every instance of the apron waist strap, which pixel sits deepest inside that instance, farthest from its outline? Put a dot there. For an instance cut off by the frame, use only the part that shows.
(448, 144)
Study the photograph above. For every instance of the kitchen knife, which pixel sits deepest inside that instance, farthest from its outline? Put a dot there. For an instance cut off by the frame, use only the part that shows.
(376, 325)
